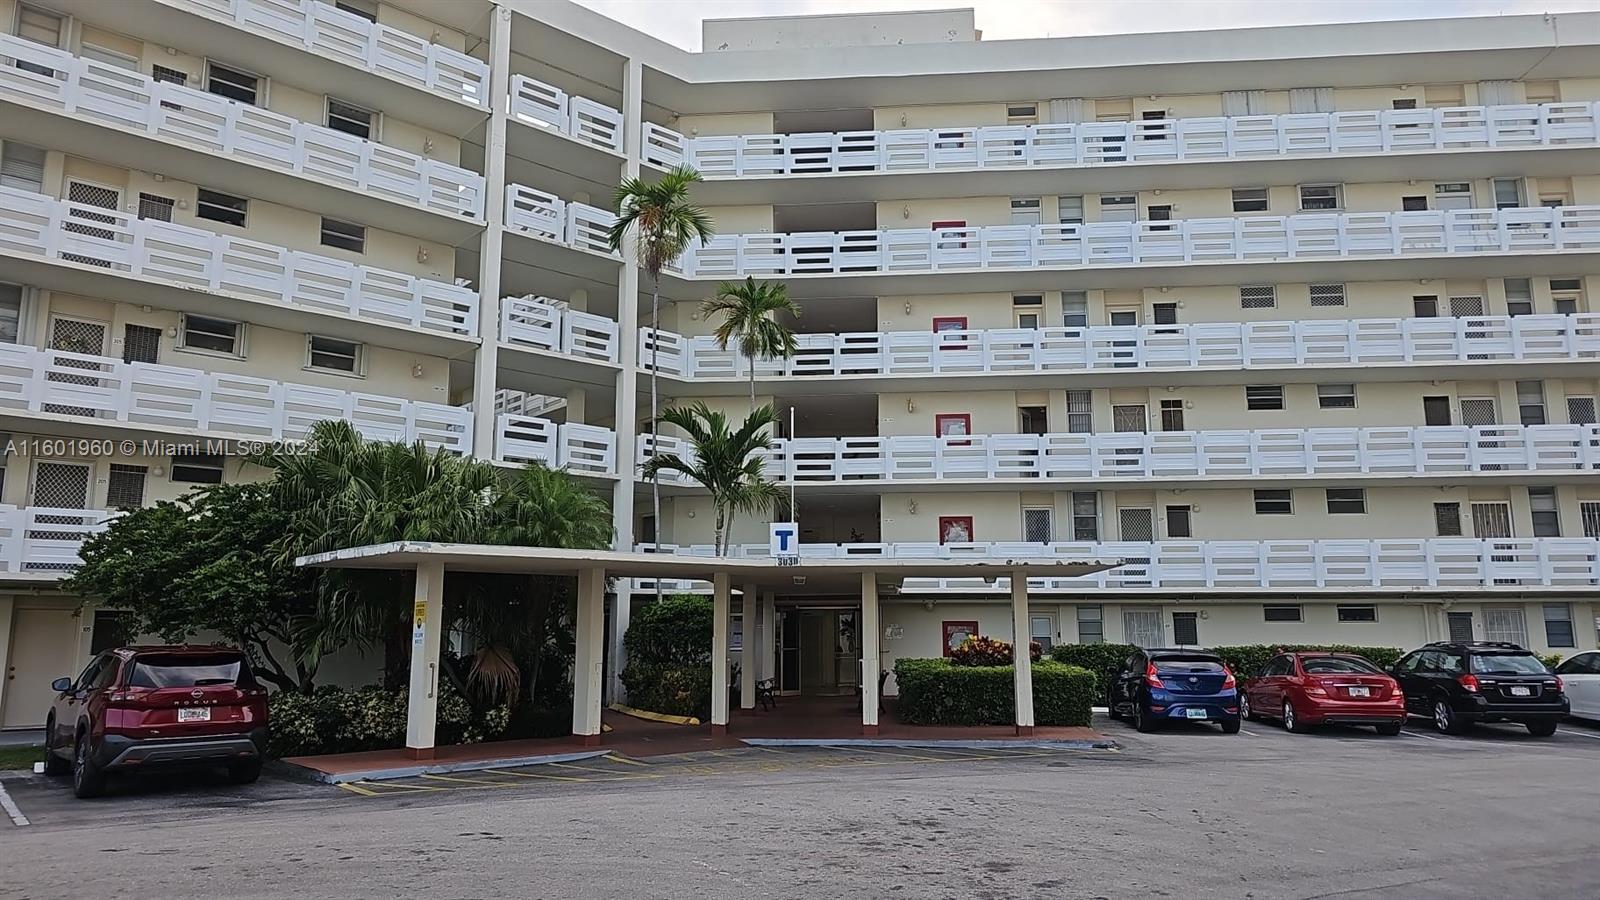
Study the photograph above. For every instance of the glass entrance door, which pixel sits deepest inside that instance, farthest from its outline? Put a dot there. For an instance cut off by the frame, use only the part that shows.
(819, 651)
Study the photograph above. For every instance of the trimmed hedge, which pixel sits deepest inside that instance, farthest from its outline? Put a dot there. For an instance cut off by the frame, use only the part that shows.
(337, 720)
(677, 690)
(1105, 660)
(933, 692)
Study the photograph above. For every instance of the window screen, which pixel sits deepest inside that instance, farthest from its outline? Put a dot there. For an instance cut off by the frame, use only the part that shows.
(125, 486)
(1258, 296)
(1327, 295)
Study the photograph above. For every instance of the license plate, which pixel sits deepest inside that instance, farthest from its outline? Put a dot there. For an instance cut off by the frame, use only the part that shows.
(1195, 713)
(1521, 692)
(1360, 692)
(194, 714)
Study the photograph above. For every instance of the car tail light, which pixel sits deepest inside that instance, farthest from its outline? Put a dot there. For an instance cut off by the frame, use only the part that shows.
(1314, 689)
(1151, 677)
(1228, 683)
(1561, 686)
(1468, 682)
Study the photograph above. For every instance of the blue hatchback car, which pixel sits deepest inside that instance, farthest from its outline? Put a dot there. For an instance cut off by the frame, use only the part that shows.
(1174, 684)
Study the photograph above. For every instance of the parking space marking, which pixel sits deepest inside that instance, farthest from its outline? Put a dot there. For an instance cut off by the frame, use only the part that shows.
(616, 775)
(1426, 737)
(11, 808)
(537, 775)
(1579, 733)
(472, 781)
(357, 789)
(624, 759)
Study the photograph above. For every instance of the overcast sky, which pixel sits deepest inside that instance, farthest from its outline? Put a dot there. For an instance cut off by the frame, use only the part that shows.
(678, 21)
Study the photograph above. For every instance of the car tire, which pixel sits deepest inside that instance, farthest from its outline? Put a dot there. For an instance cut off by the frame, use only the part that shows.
(53, 764)
(1230, 726)
(1542, 729)
(245, 772)
(1445, 720)
(1142, 720)
(1245, 711)
(1111, 705)
(87, 778)
(1291, 721)
(1390, 729)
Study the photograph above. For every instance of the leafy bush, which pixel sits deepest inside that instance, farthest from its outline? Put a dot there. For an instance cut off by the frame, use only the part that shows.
(1550, 660)
(337, 720)
(1246, 661)
(677, 690)
(1104, 660)
(935, 692)
(674, 632)
(978, 650)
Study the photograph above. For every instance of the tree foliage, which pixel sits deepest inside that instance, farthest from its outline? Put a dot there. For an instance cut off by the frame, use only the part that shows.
(727, 462)
(749, 320)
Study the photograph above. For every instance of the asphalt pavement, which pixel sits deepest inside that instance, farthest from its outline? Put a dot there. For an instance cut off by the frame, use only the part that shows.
(1186, 813)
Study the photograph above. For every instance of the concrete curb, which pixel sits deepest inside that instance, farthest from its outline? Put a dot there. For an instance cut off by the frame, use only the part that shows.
(930, 744)
(440, 768)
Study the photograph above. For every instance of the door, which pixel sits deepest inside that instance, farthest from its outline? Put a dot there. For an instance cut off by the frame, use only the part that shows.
(85, 194)
(788, 638)
(75, 336)
(1460, 626)
(1506, 624)
(44, 643)
(1142, 627)
(1042, 630)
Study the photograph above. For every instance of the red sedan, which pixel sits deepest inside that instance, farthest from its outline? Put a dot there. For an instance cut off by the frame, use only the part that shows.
(1304, 690)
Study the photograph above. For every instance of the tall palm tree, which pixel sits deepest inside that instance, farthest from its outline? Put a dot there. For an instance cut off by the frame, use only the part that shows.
(663, 222)
(749, 311)
(727, 462)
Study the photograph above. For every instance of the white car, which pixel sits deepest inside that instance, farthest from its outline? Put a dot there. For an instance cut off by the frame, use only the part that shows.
(1581, 676)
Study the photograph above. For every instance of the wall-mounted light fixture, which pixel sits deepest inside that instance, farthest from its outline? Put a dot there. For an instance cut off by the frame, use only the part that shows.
(908, 307)
(911, 405)
(911, 506)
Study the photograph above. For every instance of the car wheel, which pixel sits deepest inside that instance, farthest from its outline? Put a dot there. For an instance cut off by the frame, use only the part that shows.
(1245, 712)
(1111, 705)
(53, 764)
(1142, 720)
(1542, 729)
(1390, 728)
(245, 772)
(87, 779)
(1230, 726)
(1291, 722)
(1445, 719)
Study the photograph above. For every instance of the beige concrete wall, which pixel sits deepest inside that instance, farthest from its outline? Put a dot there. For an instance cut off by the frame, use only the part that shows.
(723, 124)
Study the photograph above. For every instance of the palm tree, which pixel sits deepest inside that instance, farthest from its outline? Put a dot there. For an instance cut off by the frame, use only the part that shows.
(749, 312)
(728, 463)
(663, 222)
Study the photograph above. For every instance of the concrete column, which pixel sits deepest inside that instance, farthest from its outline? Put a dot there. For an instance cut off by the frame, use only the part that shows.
(626, 421)
(427, 629)
(577, 406)
(871, 635)
(720, 583)
(487, 359)
(1019, 652)
(769, 635)
(750, 655)
(7, 613)
(588, 663)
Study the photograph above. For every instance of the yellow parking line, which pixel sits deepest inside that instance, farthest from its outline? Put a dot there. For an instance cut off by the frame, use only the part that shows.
(354, 789)
(537, 775)
(624, 759)
(613, 772)
(472, 781)
(902, 755)
(382, 789)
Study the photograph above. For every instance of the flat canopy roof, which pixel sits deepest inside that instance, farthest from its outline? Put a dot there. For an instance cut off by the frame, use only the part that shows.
(840, 573)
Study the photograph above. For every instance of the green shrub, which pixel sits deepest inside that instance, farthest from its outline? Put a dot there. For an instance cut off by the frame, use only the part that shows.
(674, 632)
(979, 650)
(677, 690)
(934, 692)
(1247, 660)
(339, 720)
(1104, 660)
(1550, 660)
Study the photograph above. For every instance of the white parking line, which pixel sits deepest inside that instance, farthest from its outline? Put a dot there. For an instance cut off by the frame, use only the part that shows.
(1426, 737)
(10, 806)
(1579, 733)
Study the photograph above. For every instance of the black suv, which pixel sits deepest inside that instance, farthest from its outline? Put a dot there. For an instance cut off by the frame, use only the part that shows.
(1461, 682)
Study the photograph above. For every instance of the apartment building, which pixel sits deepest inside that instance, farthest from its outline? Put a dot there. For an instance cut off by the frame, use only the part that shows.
(1293, 321)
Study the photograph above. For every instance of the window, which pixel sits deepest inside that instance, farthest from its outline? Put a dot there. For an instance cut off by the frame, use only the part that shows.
(232, 83)
(1405, 103)
(1159, 214)
(10, 323)
(42, 28)
(153, 206)
(1336, 396)
(1085, 516)
(1022, 113)
(955, 530)
(169, 76)
(1119, 208)
(1320, 196)
(1507, 193)
(1558, 630)
(1079, 417)
(1263, 397)
(1589, 511)
(351, 119)
(1362, 613)
(1505, 624)
(1038, 524)
(141, 343)
(1152, 130)
(333, 354)
(1250, 200)
(1069, 210)
(1042, 630)
(1027, 310)
(1025, 211)
(1447, 519)
(1164, 313)
(1091, 625)
(1567, 294)
(1436, 410)
(1310, 100)
(953, 425)
(1530, 402)
(1519, 296)
(1452, 195)
(197, 468)
(125, 486)
(344, 235)
(212, 335)
(1129, 417)
(1477, 411)
(1413, 204)
(1581, 410)
(1327, 295)
(1258, 296)
(1282, 613)
(1179, 522)
(219, 207)
(1186, 629)
(366, 9)
(1074, 309)
(21, 167)
(1347, 501)
(1546, 519)
(1171, 415)
(1274, 503)
(1425, 307)
(1491, 520)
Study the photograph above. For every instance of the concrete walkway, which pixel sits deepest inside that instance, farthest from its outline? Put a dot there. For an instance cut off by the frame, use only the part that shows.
(27, 737)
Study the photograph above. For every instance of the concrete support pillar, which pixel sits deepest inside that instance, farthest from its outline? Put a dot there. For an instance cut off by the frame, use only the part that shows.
(7, 613)
(485, 424)
(720, 604)
(870, 662)
(769, 635)
(587, 666)
(749, 655)
(427, 629)
(1021, 660)
(577, 406)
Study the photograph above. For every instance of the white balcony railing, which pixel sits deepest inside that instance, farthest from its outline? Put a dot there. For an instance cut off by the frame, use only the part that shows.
(124, 99)
(36, 225)
(1097, 144)
(1395, 565)
(1204, 345)
(1308, 236)
(331, 33)
(45, 541)
(587, 449)
(547, 106)
(546, 324)
(162, 397)
(547, 217)
(1143, 456)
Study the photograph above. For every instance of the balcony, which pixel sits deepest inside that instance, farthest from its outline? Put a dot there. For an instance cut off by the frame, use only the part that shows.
(92, 395)
(1188, 251)
(1203, 353)
(315, 44)
(580, 449)
(541, 338)
(1399, 566)
(1385, 455)
(109, 253)
(42, 543)
(1110, 156)
(76, 104)
(566, 240)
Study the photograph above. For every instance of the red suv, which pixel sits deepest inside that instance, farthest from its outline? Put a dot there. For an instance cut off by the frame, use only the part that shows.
(135, 708)
(1304, 690)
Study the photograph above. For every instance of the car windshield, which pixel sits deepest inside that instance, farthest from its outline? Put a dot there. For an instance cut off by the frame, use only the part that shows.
(1507, 664)
(184, 671)
(1187, 664)
(1337, 665)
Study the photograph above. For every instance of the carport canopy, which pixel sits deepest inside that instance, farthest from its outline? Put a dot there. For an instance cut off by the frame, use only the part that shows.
(432, 561)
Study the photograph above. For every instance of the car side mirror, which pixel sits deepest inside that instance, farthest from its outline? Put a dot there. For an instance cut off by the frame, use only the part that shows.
(61, 685)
